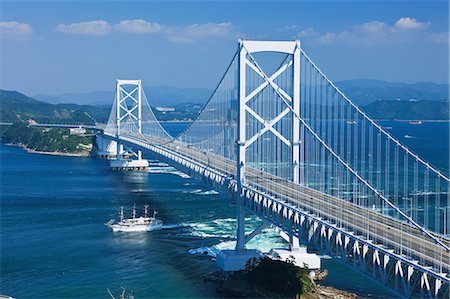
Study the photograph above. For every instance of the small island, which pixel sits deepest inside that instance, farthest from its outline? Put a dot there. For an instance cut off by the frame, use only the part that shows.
(273, 278)
(52, 141)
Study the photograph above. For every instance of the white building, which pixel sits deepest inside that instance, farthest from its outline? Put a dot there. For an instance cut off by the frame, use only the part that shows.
(165, 109)
(77, 131)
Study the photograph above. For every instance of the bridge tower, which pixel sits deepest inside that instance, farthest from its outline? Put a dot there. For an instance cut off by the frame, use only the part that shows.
(236, 259)
(128, 114)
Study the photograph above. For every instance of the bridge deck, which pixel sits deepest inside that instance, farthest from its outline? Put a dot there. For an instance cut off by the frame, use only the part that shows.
(379, 228)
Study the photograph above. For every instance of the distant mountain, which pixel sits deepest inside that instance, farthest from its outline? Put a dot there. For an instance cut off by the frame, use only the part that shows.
(421, 101)
(156, 95)
(363, 91)
(408, 110)
(96, 98)
(17, 107)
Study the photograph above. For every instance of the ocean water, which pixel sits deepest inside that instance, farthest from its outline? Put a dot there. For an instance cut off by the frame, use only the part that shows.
(54, 244)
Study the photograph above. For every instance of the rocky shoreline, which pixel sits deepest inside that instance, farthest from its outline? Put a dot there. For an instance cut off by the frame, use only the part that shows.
(77, 154)
(33, 151)
(331, 293)
(230, 287)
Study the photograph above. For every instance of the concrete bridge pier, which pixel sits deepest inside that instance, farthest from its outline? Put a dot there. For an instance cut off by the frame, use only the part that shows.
(296, 254)
(237, 259)
(107, 148)
(124, 160)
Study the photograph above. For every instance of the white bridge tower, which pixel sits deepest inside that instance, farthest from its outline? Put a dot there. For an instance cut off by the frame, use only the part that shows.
(129, 119)
(235, 260)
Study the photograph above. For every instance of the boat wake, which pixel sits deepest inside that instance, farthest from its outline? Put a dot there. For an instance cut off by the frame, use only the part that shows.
(224, 231)
(201, 192)
(171, 226)
(168, 170)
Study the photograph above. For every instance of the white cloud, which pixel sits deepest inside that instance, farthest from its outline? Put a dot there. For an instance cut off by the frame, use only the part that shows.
(97, 28)
(326, 38)
(15, 30)
(374, 27)
(310, 31)
(137, 26)
(411, 24)
(405, 29)
(186, 34)
(195, 32)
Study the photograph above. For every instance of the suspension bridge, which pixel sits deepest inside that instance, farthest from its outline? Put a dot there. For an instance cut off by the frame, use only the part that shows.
(290, 147)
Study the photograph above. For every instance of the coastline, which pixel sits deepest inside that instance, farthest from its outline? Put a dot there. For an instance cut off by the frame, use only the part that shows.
(234, 287)
(82, 154)
(324, 292)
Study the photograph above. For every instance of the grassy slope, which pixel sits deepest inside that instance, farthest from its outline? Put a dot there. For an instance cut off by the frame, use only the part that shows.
(17, 107)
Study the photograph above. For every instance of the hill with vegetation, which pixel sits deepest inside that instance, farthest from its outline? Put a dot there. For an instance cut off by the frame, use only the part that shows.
(273, 278)
(46, 140)
(17, 107)
(22, 110)
(267, 278)
(408, 110)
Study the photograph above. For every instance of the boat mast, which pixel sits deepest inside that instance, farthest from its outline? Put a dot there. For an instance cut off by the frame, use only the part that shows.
(121, 213)
(134, 211)
(145, 210)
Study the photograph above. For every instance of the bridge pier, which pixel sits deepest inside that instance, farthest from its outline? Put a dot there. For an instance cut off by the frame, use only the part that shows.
(298, 255)
(233, 260)
(124, 163)
(106, 148)
(129, 165)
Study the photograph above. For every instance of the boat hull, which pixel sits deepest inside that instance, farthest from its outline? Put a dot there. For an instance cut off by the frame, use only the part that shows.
(135, 228)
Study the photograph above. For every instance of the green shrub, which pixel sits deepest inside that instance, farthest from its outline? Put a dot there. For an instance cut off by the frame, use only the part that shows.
(280, 277)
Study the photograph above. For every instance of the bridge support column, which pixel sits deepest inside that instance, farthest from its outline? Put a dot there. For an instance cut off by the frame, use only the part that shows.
(105, 148)
(295, 253)
(229, 260)
(294, 242)
(296, 110)
(240, 176)
(119, 150)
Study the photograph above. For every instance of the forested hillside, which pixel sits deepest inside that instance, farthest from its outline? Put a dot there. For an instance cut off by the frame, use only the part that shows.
(17, 107)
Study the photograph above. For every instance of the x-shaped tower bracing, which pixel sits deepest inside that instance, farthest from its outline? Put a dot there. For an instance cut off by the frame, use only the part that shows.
(128, 103)
(128, 108)
(292, 102)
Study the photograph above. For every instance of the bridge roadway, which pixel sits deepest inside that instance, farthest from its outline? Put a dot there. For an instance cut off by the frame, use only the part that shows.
(387, 230)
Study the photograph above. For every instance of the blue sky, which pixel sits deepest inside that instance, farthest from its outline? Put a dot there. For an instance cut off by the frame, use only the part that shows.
(56, 47)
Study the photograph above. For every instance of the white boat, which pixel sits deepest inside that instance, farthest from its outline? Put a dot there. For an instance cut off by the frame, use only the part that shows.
(415, 122)
(135, 224)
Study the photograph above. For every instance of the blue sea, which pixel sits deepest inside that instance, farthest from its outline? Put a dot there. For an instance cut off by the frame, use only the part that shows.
(54, 243)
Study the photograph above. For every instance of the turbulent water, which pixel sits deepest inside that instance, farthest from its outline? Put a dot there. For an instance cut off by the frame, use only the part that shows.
(54, 243)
